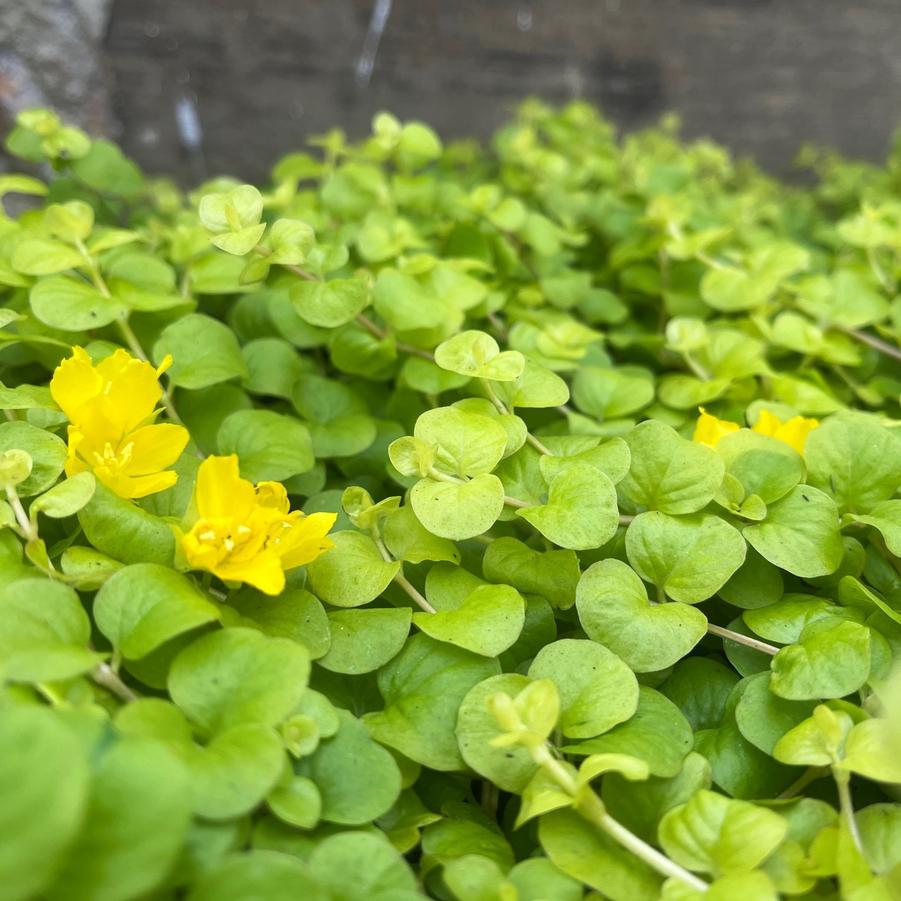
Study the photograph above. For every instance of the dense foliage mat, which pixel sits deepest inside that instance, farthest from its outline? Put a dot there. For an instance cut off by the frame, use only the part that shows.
(490, 525)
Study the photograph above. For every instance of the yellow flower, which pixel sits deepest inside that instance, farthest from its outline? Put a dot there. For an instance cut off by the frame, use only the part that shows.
(111, 409)
(248, 533)
(793, 432)
(709, 430)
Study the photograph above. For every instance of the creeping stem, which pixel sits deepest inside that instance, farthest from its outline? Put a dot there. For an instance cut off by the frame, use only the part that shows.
(402, 580)
(590, 806)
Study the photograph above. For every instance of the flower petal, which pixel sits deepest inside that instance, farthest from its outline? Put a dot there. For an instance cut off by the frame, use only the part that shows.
(709, 430)
(221, 492)
(264, 572)
(305, 540)
(135, 486)
(75, 382)
(154, 447)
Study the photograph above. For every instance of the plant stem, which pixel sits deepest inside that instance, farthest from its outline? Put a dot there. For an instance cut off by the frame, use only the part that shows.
(811, 774)
(411, 590)
(753, 643)
(104, 675)
(872, 341)
(590, 806)
(439, 476)
(29, 532)
(846, 805)
(501, 408)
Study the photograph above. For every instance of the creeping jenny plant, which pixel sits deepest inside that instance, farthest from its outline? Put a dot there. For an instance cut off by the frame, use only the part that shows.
(509, 524)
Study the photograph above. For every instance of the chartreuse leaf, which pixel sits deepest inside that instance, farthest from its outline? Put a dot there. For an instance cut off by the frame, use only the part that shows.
(612, 393)
(362, 864)
(47, 452)
(552, 574)
(477, 355)
(880, 831)
(423, 687)
(238, 676)
(800, 533)
(328, 304)
(714, 834)
(487, 622)
(357, 779)
(597, 690)
(830, 660)
(469, 444)
(65, 498)
(44, 632)
(270, 446)
(765, 466)
(136, 819)
(871, 750)
(353, 572)
(657, 734)
(614, 610)
(296, 801)
(536, 387)
(204, 352)
(669, 473)
(44, 782)
(408, 539)
(580, 512)
(585, 853)
(364, 640)
(855, 460)
(458, 510)
(142, 606)
(510, 767)
(688, 558)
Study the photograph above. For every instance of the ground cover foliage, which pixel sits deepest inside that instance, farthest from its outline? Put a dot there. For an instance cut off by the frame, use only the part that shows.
(568, 635)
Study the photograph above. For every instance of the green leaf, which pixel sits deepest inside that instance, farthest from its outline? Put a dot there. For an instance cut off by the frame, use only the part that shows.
(204, 352)
(44, 632)
(688, 558)
(73, 305)
(614, 610)
(47, 452)
(125, 531)
(612, 393)
(763, 717)
(44, 783)
(657, 733)
(537, 387)
(355, 865)
(800, 533)
(136, 821)
(668, 473)
(458, 510)
(487, 622)
(765, 466)
(66, 498)
(353, 572)
(588, 855)
(886, 518)
(86, 568)
(332, 303)
(238, 676)
(297, 615)
(830, 660)
(364, 640)
(257, 874)
(423, 687)
(855, 460)
(42, 256)
(871, 750)
(553, 574)
(273, 367)
(357, 778)
(469, 444)
(719, 835)
(580, 512)
(270, 446)
(145, 605)
(510, 768)
(597, 690)
(296, 802)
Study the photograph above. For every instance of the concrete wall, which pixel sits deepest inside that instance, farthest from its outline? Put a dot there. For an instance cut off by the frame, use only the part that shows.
(258, 76)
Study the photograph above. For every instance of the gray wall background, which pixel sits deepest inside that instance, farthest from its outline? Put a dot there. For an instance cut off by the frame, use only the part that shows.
(258, 76)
